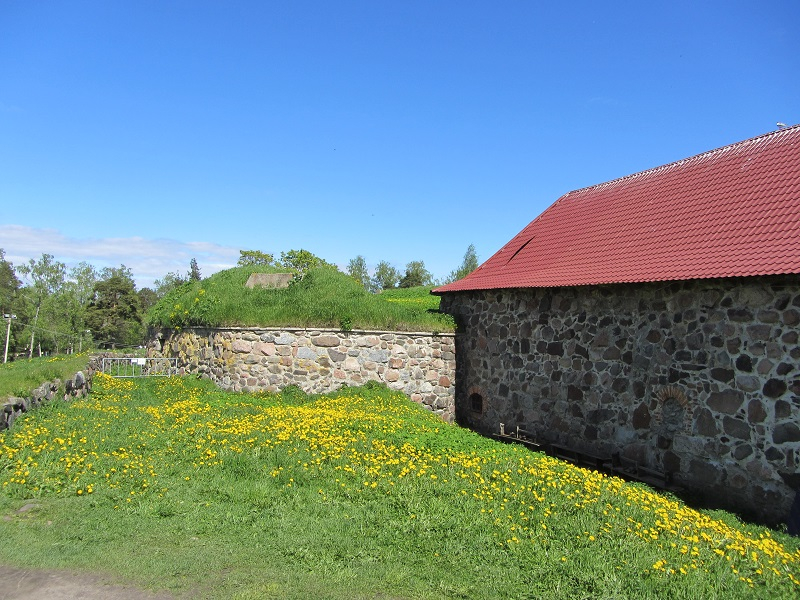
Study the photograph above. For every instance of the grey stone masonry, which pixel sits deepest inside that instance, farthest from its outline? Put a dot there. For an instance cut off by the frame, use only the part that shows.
(421, 365)
(77, 387)
(698, 378)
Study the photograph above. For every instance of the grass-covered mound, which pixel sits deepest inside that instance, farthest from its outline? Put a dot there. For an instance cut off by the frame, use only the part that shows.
(324, 297)
(172, 483)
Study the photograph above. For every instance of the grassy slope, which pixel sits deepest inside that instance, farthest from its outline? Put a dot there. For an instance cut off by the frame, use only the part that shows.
(20, 377)
(419, 298)
(324, 298)
(175, 484)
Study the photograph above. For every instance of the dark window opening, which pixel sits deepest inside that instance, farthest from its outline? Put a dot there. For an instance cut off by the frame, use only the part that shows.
(476, 403)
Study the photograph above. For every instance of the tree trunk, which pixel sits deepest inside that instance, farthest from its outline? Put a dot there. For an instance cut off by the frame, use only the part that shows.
(33, 330)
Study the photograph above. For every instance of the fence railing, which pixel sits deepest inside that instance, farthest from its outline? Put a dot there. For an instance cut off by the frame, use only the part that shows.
(140, 367)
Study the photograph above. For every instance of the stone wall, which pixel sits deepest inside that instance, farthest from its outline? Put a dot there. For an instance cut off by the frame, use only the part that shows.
(699, 379)
(422, 365)
(77, 387)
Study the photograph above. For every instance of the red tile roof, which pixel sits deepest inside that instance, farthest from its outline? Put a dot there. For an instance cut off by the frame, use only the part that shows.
(730, 212)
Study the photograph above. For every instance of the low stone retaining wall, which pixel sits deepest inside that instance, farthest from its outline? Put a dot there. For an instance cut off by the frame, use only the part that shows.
(77, 387)
(421, 365)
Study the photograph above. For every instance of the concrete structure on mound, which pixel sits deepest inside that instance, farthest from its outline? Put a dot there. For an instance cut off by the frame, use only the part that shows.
(421, 365)
(269, 280)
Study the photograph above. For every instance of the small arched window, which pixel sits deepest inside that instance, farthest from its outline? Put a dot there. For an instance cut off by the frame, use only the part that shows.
(476, 403)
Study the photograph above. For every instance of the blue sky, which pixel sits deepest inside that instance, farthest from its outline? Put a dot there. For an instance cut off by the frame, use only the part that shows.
(148, 133)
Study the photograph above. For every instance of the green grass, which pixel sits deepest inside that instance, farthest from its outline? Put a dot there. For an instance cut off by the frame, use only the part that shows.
(323, 298)
(173, 484)
(22, 376)
(418, 297)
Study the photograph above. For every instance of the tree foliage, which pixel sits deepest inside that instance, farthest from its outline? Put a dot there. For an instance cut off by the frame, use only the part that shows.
(52, 305)
(468, 265)
(81, 280)
(166, 284)
(9, 285)
(60, 320)
(120, 271)
(385, 277)
(76, 295)
(357, 269)
(114, 314)
(255, 258)
(46, 277)
(194, 271)
(416, 274)
(10, 302)
(301, 261)
(147, 298)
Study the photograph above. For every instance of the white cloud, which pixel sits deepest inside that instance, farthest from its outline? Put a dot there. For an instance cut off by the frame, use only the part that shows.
(149, 259)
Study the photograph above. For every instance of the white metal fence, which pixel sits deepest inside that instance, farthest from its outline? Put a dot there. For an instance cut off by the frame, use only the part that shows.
(140, 367)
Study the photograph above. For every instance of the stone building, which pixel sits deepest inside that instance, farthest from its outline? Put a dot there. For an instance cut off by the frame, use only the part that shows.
(652, 320)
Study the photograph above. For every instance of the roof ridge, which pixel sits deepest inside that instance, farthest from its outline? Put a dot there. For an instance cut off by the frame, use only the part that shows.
(681, 161)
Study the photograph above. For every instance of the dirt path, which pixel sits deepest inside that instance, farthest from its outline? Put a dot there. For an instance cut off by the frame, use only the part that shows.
(34, 584)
